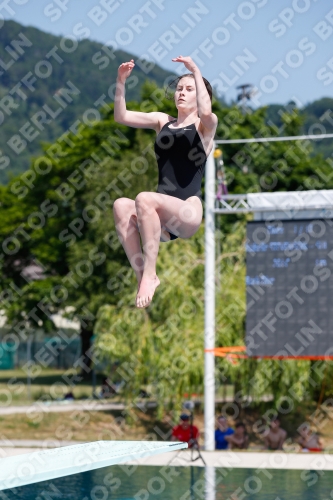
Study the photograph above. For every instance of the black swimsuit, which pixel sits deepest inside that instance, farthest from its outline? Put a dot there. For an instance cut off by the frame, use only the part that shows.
(181, 160)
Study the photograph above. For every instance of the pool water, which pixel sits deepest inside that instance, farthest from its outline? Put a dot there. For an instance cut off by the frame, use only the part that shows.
(124, 482)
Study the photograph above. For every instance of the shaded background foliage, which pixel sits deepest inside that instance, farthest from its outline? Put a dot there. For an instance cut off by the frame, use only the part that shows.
(85, 272)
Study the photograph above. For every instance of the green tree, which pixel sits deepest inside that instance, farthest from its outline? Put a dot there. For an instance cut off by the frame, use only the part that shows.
(66, 216)
(68, 222)
(274, 166)
(162, 348)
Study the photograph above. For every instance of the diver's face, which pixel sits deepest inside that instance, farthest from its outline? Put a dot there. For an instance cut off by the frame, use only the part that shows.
(186, 94)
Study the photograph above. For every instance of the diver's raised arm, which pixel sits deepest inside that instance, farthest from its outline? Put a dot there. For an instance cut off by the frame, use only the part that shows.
(204, 104)
(122, 115)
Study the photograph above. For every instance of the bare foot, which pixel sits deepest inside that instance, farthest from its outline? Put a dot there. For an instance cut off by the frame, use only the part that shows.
(146, 291)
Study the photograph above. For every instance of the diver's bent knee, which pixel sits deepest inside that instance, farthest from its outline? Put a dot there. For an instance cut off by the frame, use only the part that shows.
(121, 204)
(143, 199)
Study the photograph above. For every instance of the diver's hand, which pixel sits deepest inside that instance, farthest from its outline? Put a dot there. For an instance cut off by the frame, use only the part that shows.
(188, 63)
(125, 69)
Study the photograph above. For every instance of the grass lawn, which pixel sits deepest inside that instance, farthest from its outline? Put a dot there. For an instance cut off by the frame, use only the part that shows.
(104, 425)
(79, 425)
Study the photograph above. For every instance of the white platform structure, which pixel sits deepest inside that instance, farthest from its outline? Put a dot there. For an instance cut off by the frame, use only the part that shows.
(46, 465)
(280, 205)
(264, 206)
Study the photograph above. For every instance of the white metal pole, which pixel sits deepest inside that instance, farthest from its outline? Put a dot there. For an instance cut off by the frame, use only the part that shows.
(209, 377)
(210, 483)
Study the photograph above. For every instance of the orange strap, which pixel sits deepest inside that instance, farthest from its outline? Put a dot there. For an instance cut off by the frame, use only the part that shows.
(230, 351)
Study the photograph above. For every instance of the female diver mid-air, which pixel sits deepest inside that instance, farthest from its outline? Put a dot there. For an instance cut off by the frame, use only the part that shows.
(181, 147)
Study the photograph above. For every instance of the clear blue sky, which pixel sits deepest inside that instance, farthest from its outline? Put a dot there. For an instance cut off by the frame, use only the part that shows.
(282, 47)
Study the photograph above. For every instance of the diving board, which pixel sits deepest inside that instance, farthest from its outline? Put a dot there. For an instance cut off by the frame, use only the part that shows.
(50, 464)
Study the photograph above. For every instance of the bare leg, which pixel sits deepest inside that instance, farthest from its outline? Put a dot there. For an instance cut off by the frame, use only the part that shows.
(150, 231)
(126, 225)
(155, 210)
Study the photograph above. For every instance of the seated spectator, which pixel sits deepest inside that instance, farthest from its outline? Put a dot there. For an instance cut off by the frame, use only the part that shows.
(276, 436)
(221, 432)
(186, 432)
(239, 439)
(69, 396)
(310, 441)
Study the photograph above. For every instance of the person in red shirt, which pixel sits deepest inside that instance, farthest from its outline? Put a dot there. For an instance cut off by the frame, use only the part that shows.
(186, 431)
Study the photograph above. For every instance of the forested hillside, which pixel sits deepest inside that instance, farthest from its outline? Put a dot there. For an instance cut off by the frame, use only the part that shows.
(317, 119)
(35, 68)
(49, 84)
